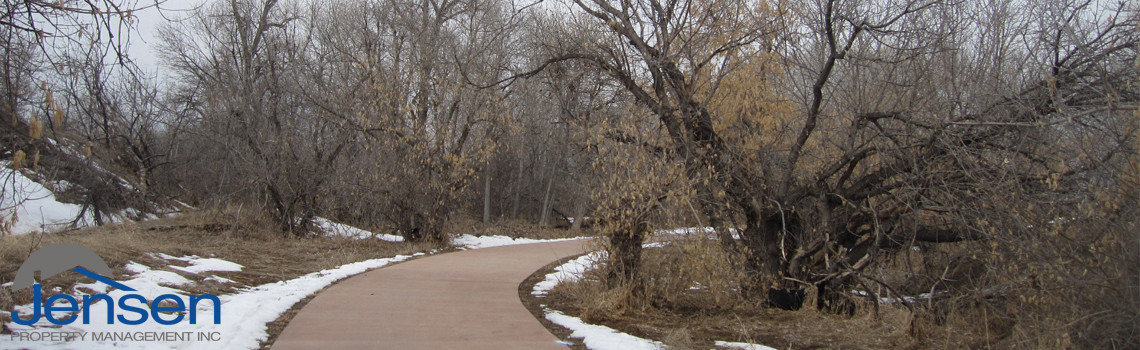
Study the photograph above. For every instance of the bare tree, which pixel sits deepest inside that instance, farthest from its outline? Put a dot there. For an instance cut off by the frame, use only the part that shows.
(895, 122)
(240, 64)
(48, 44)
(407, 84)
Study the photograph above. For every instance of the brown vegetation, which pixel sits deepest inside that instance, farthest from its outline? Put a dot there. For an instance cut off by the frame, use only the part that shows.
(985, 153)
(246, 237)
(688, 300)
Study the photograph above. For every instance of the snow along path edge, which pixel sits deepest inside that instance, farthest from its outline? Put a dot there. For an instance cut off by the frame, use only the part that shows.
(594, 337)
(245, 317)
(598, 337)
(285, 299)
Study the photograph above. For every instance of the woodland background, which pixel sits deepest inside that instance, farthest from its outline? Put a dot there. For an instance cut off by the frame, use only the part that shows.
(982, 152)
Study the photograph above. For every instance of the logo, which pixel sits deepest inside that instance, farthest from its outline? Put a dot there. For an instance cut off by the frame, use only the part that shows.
(129, 309)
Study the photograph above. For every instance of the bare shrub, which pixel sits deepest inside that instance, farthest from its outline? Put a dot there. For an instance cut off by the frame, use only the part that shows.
(693, 275)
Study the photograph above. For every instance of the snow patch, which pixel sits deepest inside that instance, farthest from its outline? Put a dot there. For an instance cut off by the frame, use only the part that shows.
(593, 336)
(893, 300)
(33, 206)
(598, 337)
(708, 231)
(30, 207)
(742, 346)
(569, 272)
(468, 241)
(687, 231)
(342, 230)
(219, 279)
(98, 288)
(152, 283)
(199, 265)
(601, 337)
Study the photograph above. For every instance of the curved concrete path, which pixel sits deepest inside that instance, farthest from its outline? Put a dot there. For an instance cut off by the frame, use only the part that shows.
(461, 300)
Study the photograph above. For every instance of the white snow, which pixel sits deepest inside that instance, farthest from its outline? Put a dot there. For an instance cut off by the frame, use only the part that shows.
(96, 287)
(708, 231)
(33, 206)
(468, 241)
(584, 218)
(593, 336)
(893, 300)
(343, 230)
(199, 265)
(219, 279)
(244, 315)
(600, 337)
(36, 209)
(686, 231)
(145, 277)
(742, 346)
(568, 272)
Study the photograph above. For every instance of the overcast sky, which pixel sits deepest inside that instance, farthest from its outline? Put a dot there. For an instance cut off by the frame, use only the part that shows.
(144, 41)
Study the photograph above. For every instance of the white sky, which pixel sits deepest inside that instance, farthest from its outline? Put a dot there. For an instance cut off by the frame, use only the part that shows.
(144, 41)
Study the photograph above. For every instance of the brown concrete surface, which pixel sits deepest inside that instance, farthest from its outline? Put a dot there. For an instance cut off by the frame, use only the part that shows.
(461, 300)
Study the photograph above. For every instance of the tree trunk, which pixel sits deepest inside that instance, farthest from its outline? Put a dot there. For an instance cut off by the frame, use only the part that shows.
(625, 254)
(544, 220)
(762, 240)
(518, 191)
(427, 225)
(579, 216)
(487, 199)
(706, 198)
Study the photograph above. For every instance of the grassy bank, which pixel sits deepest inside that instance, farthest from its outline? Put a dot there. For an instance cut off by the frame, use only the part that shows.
(242, 238)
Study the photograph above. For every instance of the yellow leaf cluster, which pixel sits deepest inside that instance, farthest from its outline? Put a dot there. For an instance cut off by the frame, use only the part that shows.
(19, 159)
(748, 111)
(36, 129)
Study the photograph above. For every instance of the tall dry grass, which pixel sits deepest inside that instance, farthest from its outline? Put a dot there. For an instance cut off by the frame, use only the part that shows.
(1072, 284)
(688, 296)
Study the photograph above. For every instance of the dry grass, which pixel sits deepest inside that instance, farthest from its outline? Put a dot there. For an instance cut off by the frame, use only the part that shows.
(1073, 288)
(242, 237)
(688, 301)
(1072, 285)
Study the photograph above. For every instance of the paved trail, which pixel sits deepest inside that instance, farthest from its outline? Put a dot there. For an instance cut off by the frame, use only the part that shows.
(461, 300)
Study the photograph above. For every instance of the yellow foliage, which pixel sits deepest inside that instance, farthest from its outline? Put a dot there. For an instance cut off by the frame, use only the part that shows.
(747, 110)
(36, 129)
(57, 116)
(19, 159)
